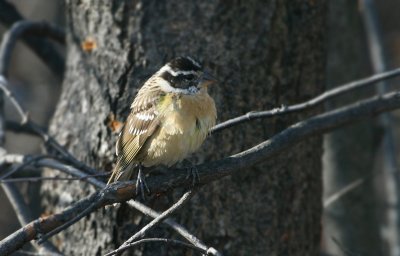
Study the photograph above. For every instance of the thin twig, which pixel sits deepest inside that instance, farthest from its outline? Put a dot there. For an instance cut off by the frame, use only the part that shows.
(49, 140)
(28, 161)
(71, 170)
(162, 240)
(14, 102)
(54, 178)
(176, 226)
(41, 161)
(283, 110)
(342, 192)
(17, 202)
(155, 221)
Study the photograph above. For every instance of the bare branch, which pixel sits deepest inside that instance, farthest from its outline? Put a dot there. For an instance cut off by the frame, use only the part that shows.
(25, 161)
(283, 110)
(155, 222)
(23, 29)
(300, 131)
(16, 199)
(54, 178)
(44, 161)
(71, 170)
(16, 127)
(96, 202)
(24, 216)
(42, 226)
(14, 102)
(52, 163)
(176, 226)
(9, 14)
(342, 192)
(49, 140)
(55, 164)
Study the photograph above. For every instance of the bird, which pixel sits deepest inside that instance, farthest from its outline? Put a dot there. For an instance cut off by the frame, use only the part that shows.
(170, 118)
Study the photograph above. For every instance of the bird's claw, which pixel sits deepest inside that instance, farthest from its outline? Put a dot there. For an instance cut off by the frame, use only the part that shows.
(141, 184)
(193, 174)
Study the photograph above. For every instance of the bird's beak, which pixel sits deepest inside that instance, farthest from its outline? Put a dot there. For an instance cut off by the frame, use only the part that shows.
(207, 79)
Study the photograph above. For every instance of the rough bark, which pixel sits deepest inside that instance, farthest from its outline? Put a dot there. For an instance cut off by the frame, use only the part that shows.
(265, 53)
(353, 220)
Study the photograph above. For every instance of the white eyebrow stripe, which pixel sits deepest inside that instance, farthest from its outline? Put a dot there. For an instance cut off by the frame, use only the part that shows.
(168, 69)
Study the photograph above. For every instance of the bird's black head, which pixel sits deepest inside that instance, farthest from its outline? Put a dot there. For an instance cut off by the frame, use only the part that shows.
(184, 64)
(184, 75)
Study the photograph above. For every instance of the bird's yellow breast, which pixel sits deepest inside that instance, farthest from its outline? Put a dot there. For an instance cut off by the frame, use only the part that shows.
(185, 122)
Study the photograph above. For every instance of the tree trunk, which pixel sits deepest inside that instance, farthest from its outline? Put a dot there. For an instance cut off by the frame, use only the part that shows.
(264, 53)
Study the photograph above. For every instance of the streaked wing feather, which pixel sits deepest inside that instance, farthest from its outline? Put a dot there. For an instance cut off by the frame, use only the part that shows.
(136, 131)
(142, 122)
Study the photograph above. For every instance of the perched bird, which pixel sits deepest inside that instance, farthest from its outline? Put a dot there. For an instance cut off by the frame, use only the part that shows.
(170, 118)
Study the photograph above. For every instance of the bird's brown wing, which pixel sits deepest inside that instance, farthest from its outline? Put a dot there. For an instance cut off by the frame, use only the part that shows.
(142, 122)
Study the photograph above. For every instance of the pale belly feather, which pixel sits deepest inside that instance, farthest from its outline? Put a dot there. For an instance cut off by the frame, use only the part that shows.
(181, 133)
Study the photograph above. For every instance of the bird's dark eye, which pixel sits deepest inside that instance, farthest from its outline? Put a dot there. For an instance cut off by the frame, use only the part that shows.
(189, 77)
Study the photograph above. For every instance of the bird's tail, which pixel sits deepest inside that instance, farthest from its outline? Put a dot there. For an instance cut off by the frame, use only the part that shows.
(121, 173)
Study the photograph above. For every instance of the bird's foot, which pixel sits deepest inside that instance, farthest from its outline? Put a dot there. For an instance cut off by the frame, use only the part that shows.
(193, 174)
(141, 184)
